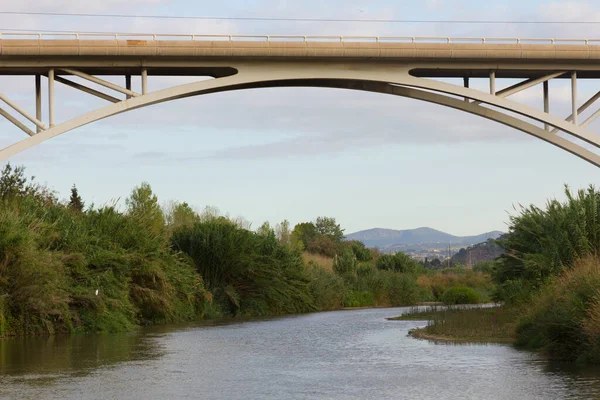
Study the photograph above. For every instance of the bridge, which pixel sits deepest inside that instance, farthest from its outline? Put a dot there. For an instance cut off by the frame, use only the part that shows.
(403, 66)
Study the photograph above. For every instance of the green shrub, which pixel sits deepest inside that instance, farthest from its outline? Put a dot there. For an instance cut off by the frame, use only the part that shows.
(564, 319)
(345, 263)
(403, 290)
(399, 262)
(248, 273)
(359, 299)
(460, 295)
(327, 289)
(541, 243)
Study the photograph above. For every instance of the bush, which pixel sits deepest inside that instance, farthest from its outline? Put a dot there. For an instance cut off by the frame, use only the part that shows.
(345, 263)
(460, 295)
(564, 320)
(359, 299)
(326, 288)
(541, 243)
(403, 290)
(398, 262)
(248, 273)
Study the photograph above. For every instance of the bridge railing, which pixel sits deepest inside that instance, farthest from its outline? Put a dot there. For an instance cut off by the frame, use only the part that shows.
(292, 38)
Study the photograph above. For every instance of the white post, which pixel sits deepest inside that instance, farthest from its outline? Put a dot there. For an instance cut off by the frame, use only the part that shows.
(144, 81)
(51, 98)
(493, 83)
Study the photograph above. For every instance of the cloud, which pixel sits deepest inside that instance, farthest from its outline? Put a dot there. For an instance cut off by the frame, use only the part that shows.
(298, 121)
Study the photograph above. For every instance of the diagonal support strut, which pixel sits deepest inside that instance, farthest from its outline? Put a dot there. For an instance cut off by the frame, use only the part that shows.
(16, 122)
(24, 113)
(519, 87)
(101, 82)
(584, 107)
(86, 89)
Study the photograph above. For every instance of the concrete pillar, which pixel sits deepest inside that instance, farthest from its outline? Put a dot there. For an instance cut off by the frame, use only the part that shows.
(38, 100)
(574, 96)
(51, 98)
(144, 81)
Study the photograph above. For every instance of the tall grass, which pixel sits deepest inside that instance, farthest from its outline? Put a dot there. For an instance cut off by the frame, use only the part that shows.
(541, 243)
(496, 323)
(323, 261)
(99, 270)
(247, 272)
(564, 319)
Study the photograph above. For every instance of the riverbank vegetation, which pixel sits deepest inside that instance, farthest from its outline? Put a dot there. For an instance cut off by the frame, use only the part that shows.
(70, 267)
(548, 281)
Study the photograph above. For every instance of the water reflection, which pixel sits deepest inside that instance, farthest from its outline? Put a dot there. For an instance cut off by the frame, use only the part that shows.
(337, 355)
(78, 354)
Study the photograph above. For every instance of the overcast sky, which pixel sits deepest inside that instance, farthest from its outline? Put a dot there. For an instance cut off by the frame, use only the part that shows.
(369, 160)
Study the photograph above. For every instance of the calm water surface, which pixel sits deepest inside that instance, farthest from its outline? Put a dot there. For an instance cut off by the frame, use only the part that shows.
(336, 355)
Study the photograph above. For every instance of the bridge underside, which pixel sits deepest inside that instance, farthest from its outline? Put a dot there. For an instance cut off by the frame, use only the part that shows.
(412, 77)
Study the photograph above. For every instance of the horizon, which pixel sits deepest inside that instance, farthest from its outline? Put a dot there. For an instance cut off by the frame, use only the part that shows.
(426, 227)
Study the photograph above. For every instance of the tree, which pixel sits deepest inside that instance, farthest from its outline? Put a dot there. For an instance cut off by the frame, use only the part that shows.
(323, 245)
(361, 252)
(328, 227)
(398, 262)
(180, 214)
(345, 263)
(286, 237)
(265, 229)
(282, 231)
(305, 232)
(142, 205)
(75, 202)
(13, 182)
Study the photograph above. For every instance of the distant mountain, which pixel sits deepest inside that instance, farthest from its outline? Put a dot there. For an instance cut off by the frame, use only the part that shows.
(383, 238)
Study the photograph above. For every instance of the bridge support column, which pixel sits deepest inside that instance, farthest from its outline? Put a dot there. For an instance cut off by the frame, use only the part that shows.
(38, 100)
(128, 84)
(466, 84)
(574, 96)
(51, 98)
(144, 81)
(546, 102)
(493, 83)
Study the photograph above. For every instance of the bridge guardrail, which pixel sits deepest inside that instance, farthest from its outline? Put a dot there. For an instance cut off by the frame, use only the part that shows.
(294, 38)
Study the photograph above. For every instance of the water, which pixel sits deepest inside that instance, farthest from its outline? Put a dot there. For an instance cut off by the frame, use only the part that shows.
(335, 355)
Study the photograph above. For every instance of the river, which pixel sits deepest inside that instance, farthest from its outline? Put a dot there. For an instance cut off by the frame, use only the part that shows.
(354, 354)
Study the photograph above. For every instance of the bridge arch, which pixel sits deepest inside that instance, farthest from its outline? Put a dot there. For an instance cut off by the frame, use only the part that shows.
(396, 82)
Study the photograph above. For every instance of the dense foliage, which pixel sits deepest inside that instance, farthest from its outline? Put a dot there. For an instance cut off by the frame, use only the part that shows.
(460, 295)
(248, 273)
(541, 243)
(63, 270)
(68, 268)
(550, 272)
(564, 319)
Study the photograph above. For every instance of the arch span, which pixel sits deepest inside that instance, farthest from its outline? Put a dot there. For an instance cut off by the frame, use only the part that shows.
(398, 83)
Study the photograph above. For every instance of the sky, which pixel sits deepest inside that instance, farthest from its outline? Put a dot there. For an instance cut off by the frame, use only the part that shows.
(369, 160)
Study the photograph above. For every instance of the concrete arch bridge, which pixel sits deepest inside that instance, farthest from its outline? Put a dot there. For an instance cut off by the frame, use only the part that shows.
(407, 67)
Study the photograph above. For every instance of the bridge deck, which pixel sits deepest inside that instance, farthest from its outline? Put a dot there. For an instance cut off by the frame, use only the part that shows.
(101, 57)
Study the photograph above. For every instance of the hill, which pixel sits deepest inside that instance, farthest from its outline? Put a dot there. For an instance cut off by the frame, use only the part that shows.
(472, 255)
(384, 238)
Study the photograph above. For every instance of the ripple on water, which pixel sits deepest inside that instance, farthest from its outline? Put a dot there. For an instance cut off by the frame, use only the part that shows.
(335, 355)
